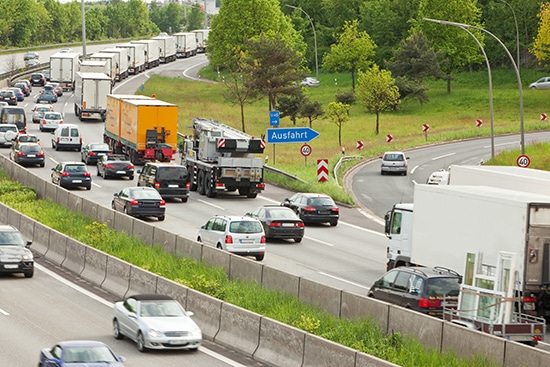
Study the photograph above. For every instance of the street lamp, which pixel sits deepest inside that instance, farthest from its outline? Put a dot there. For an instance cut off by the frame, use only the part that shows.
(314, 39)
(464, 26)
(517, 30)
(83, 29)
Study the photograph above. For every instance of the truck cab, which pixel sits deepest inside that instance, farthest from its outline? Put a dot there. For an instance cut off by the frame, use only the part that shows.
(398, 229)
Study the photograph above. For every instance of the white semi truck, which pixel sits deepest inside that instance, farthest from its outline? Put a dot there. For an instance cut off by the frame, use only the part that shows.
(110, 59)
(221, 158)
(202, 39)
(152, 57)
(186, 44)
(93, 66)
(91, 95)
(121, 61)
(136, 57)
(167, 48)
(63, 69)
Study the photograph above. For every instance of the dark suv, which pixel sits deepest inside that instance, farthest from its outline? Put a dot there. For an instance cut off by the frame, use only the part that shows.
(170, 180)
(16, 255)
(418, 288)
(37, 79)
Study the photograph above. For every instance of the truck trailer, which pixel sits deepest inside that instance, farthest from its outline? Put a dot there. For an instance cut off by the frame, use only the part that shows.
(121, 61)
(93, 66)
(202, 39)
(221, 158)
(151, 52)
(186, 44)
(136, 57)
(167, 48)
(110, 59)
(91, 95)
(143, 128)
(63, 69)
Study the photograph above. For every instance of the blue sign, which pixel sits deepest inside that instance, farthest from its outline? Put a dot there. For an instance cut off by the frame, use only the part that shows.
(291, 135)
(274, 118)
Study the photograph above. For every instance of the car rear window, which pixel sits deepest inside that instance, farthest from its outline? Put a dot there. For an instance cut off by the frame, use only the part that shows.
(246, 226)
(443, 287)
(394, 157)
(172, 173)
(320, 201)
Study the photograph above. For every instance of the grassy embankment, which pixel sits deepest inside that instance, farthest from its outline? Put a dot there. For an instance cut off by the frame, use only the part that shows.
(450, 117)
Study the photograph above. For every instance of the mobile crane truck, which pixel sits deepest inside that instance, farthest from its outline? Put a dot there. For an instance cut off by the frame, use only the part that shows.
(221, 158)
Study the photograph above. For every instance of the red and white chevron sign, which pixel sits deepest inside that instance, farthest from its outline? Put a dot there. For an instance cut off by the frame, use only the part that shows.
(221, 143)
(543, 117)
(389, 138)
(262, 144)
(425, 128)
(322, 170)
(359, 144)
(479, 123)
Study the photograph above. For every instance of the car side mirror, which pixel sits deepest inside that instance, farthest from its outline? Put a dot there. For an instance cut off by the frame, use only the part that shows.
(203, 226)
(53, 168)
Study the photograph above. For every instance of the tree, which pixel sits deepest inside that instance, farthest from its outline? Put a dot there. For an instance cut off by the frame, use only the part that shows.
(414, 61)
(541, 46)
(311, 110)
(377, 92)
(289, 106)
(338, 113)
(351, 53)
(458, 46)
(274, 68)
(240, 21)
(195, 18)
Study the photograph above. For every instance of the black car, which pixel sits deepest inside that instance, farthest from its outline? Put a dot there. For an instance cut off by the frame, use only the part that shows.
(37, 79)
(115, 165)
(27, 154)
(71, 175)
(140, 202)
(426, 290)
(92, 152)
(8, 96)
(279, 222)
(313, 208)
(16, 255)
(170, 180)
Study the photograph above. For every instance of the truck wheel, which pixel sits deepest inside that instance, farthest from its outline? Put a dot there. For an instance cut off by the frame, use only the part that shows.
(244, 191)
(200, 182)
(209, 190)
(251, 195)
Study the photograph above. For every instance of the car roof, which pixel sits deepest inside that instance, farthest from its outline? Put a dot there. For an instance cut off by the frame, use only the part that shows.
(80, 343)
(233, 218)
(435, 272)
(314, 195)
(150, 297)
(8, 228)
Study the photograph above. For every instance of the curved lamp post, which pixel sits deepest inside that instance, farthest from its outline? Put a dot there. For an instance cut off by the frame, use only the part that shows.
(314, 38)
(465, 26)
(517, 30)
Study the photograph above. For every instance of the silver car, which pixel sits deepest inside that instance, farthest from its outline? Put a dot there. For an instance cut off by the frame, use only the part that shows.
(542, 83)
(50, 121)
(394, 162)
(155, 321)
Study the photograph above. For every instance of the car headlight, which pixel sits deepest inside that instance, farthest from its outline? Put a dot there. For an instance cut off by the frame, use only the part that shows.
(28, 257)
(196, 333)
(154, 333)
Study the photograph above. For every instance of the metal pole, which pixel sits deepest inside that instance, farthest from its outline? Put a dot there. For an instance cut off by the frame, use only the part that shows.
(205, 16)
(83, 28)
(462, 25)
(517, 31)
(314, 39)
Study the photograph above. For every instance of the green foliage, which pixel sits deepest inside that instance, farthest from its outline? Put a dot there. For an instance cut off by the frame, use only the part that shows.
(338, 113)
(346, 97)
(310, 110)
(290, 105)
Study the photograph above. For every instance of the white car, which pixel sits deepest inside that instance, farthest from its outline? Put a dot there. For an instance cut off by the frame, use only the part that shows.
(542, 83)
(239, 235)
(394, 162)
(310, 82)
(50, 121)
(155, 321)
(8, 133)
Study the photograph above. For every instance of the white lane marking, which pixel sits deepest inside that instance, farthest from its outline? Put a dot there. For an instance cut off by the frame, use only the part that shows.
(374, 218)
(184, 73)
(321, 242)
(5, 313)
(212, 205)
(443, 156)
(343, 280)
(109, 304)
(413, 169)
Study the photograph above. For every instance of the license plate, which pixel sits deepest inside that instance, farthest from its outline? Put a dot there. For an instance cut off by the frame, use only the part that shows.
(173, 185)
(448, 304)
(288, 224)
(176, 342)
(247, 241)
(10, 266)
(64, 139)
(31, 156)
(120, 172)
(77, 181)
(100, 154)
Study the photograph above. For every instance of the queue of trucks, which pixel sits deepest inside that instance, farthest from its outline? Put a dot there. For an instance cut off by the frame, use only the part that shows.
(491, 224)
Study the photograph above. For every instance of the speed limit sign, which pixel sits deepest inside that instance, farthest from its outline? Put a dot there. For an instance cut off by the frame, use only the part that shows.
(523, 161)
(305, 150)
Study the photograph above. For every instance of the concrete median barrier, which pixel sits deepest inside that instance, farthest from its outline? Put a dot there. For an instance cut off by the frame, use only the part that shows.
(216, 257)
(280, 345)
(173, 289)
(357, 307)
(75, 203)
(319, 352)
(366, 360)
(427, 329)
(188, 248)
(246, 269)
(522, 355)
(320, 295)
(57, 247)
(165, 239)
(141, 281)
(51, 192)
(4, 213)
(95, 265)
(62, 196)
(117, 276)
(143, 231)
(239, 329)
(105, 215)
(74, 259)
(41, 238)
(280, 281)
(13, 217)
(89, 208)
(207, 311)
(123, 223)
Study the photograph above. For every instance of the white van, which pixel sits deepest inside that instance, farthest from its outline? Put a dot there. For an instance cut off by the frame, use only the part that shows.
(67, 136)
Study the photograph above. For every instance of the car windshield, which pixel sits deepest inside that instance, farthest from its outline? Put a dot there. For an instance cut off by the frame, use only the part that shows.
(161, 309)
(443, 287)
(245, 226)
(172, 173)
(11, 238)
(96, 354)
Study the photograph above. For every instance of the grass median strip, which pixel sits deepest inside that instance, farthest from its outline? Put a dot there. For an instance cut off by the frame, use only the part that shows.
(363, 335)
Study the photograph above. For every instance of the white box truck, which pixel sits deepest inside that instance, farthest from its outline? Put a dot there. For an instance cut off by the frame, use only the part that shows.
(91, 95)
(93, 66)
(202, 39)
(186, 44)
(151, 52)
(136, 57)
(110, 59)
(448, 224)
(121, 61)
(167, 48)
(63, 69)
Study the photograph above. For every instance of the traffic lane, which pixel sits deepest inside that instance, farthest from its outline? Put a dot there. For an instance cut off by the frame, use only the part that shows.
(46, 309)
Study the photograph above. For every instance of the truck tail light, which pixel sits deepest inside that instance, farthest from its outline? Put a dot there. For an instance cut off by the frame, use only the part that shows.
(428, 303)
